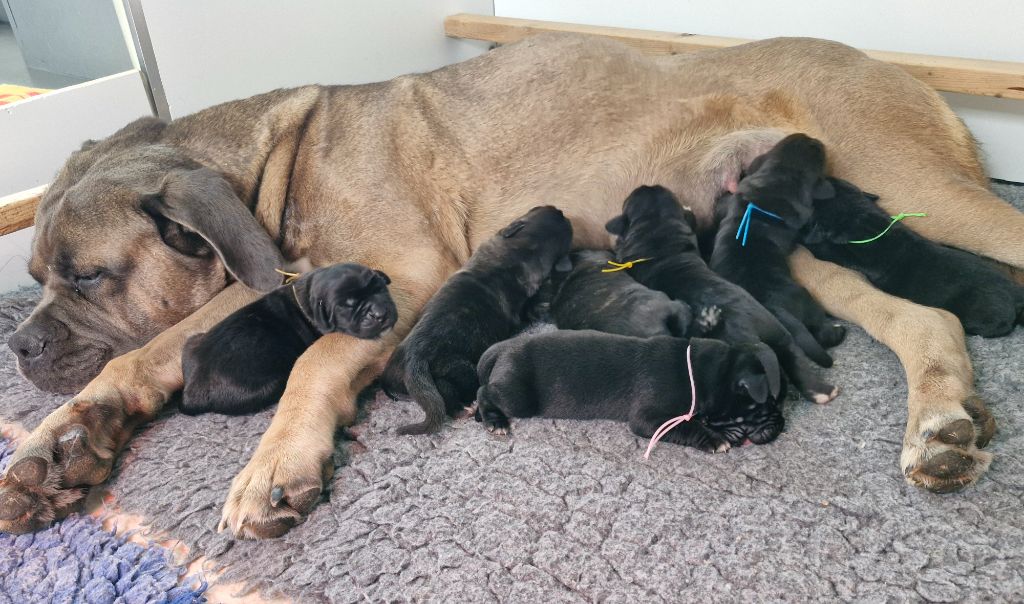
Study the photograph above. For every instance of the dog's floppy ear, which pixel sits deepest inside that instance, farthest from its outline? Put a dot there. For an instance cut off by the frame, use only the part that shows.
(384, 276)
(197, 212)
(871, 197)
(823, 189)
(512, 229)
(564, 264)
(616, 226)
(762, 378)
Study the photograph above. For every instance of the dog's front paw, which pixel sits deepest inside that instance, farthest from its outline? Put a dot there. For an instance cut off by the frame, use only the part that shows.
(943, 454)
(275, 491)
(74, 447)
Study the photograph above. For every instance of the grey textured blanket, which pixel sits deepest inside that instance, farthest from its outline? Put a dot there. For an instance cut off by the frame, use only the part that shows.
(569, 511)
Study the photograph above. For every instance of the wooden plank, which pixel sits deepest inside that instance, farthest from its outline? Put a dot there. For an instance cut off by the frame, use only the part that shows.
(1001, 79)
(18, 211)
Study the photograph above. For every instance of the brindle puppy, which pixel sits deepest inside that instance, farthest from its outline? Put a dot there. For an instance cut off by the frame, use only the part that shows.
(613, 302)
(905, 264)
(479, 305)
(653, 225)
(785, 182)
(642, 381)
(242, 364)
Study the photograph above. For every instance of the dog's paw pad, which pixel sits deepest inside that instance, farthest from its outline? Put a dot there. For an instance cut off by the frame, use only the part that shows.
(943, 457)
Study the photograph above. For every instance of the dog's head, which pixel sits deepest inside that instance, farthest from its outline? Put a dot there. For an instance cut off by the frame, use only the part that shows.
(652, 220)
(737, 378)
(848, 214)
(131, 237)
(535, 243)
(787, 179)
(348, 298)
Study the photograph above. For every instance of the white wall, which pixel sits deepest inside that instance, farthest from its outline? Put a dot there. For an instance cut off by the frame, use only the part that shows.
(980, 29)
(39, 133)
(209, 51)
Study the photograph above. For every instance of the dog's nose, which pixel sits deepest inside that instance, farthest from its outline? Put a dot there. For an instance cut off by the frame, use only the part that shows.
(28, 342)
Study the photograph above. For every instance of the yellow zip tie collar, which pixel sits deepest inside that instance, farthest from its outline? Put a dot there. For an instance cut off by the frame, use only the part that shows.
(622, 266)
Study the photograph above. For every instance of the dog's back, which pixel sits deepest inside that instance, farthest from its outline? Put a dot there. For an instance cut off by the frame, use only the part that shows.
(613, 302)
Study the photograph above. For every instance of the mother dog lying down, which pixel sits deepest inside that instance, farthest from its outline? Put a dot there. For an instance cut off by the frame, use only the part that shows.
(161, 230)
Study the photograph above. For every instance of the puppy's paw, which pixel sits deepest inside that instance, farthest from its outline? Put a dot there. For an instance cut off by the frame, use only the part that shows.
(275, 491)
(825, 395)
(830, 335)
(468, 411)
(707, 319)
(942, 455)
(496, 422)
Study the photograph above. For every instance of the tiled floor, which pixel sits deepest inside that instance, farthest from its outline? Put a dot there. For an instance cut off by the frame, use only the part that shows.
(14, 71)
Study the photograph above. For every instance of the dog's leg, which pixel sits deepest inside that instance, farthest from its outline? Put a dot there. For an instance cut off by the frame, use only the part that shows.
(75, 446)
(947, 422)
(285, 476)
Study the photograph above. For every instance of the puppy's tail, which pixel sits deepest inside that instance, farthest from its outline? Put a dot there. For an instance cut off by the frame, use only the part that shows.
(392, 379)
(420, 384)
(803, 338)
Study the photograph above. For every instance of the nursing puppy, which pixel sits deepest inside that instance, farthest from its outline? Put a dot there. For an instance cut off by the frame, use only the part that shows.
(785, 182)
(642, 381)
(242, 364)
(479, 305)
(613, 302)
(654, 226)
(905, 264)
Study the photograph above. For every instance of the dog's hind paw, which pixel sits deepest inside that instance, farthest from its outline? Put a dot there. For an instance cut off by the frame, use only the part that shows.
(944, 455)
(30, 498)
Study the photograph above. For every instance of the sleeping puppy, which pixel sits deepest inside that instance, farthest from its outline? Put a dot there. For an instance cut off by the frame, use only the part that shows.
(653, 225)
(905, 264)
(242, 364)
(613, 302)
(479, 305)
(783, 181)
(642, 381)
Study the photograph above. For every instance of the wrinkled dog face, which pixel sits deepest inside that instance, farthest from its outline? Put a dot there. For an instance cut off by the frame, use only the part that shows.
(124, 248)
(352, 299)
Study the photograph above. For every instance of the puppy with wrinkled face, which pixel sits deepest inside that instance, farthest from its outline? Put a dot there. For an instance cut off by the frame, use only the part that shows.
(783, 181)
(653, 225)
(479, 305)
(641, 381)
(613, 302)
(242, 364)
(905, 264)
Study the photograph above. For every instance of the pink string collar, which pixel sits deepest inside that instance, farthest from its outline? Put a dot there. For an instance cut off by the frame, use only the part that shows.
(675, 421)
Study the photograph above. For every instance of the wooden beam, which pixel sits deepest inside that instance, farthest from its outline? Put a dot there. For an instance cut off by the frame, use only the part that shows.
(18, 211)
(1002, 79)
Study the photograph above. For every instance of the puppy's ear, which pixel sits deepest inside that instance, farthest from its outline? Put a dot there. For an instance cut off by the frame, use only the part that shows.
(512, 229)
(770, 364)
(384, 276)
(760, 378)
(871, 197)
(198, 213)
(616, 226)
(564, 265)
(823, 189)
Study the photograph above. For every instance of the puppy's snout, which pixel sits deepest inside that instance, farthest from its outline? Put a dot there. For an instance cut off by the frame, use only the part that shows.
(29, 341)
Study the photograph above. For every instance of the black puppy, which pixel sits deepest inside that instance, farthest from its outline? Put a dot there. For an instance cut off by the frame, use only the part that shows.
(587, 297)
(785, 182)
(905, 264)
(242, 364)
(642, 381)
(479, 305)
(653, 225)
